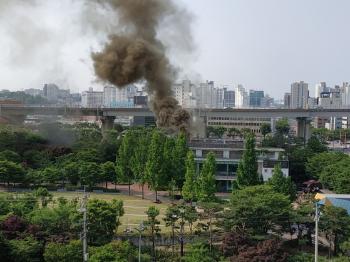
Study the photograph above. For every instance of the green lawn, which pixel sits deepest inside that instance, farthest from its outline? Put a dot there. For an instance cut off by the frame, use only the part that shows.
(134, 207)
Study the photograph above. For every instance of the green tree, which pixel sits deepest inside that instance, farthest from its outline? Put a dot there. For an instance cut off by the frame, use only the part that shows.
(256, 208)
(11, 172)
(89, 173)
(335, 222)
(124, 158)
(10, 155)
(170, 167)
(199, 252)
(121, 251)
(44, 195)
(179, 159)
(282, 126)
(315, 145)
(103, 220)
(25, 250)
(172, 215)
(210, 214)
(152, 224)
(265, 129)
(71, 171)
(71, 252)
(207, 183)
(318, 162)
(189, 188)
(247, 172)
(337, 176)
(232, 132)
(282, 184)
(139, 158)
(155, 163)
(108, 173)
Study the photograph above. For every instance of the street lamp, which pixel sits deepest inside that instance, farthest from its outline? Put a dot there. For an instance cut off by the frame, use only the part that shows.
(139, 229)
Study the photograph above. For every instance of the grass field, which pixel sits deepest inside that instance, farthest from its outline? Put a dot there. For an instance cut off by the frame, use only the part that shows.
(134, 207)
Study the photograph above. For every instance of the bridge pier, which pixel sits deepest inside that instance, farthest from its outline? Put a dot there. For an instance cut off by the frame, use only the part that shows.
(107, 123)
(303, 128)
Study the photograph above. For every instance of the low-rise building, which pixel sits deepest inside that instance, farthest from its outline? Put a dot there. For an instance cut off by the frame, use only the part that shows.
(228, 153)
(238, 122)
(92, 98)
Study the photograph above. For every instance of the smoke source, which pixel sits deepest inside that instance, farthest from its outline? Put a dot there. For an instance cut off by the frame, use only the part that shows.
(137, 54)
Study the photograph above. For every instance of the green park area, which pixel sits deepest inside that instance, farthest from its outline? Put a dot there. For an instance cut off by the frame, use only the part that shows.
(134, 207)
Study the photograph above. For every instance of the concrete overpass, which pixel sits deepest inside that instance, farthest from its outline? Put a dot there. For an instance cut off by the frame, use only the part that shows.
(107, 115)
(20, 110)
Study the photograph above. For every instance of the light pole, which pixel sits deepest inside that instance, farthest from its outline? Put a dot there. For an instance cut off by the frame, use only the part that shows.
(317, 217)
(139, 229)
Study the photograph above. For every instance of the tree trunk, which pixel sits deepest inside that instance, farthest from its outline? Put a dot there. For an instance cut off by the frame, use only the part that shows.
(210, 235)
(142, 190)
(335, 245)
(129, 182)
(156, 195)
(106, 184)
(173, 240)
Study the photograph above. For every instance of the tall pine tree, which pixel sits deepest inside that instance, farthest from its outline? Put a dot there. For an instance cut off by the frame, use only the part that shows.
(155, 164)
(123, 165)
(139, 158)
(247, 172)
(207, 183)
(180, 153)
(190, 184)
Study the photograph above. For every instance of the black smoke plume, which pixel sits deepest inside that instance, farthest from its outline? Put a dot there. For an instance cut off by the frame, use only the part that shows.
(137, 54)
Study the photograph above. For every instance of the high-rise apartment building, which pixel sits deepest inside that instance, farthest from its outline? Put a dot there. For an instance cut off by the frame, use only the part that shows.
(320, 88)
(286, 99)
(229, 98)
(185, 94)
(241, 97)
(206, 95)
(345, 94)
(299, 95)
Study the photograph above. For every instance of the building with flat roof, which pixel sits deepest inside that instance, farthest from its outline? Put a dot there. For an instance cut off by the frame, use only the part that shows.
(228, 153)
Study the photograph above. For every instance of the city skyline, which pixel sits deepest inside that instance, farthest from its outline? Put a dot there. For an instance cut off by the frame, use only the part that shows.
(263, 46)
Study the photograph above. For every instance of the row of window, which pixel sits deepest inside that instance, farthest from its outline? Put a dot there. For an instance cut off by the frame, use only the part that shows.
(240, 118)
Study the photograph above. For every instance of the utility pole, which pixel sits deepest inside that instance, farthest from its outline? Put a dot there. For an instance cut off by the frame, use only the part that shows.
(140, 228)
(317, 217)
(83, 209)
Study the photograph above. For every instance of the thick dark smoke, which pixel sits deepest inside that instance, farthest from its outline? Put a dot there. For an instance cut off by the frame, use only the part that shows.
(137, 54)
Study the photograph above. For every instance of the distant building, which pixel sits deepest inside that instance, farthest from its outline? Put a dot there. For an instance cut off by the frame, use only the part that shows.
(330, 100)
(51, 92)
(206, 95)
(267, 101)
(229, 98)
(299, 95)
(345, 94)
(33, 92)
(287, 100)
(228, 153)
(241, 97)
(320, 88)
(185, 94)
(238, 122)
(119, 97)
(255, 98)
(92, 98)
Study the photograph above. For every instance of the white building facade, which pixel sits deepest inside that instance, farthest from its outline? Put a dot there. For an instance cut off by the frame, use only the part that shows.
(299, 95)
(241, 97)
(92, 98)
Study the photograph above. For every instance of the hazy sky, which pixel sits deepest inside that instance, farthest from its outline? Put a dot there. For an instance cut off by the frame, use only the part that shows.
(262, 44)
